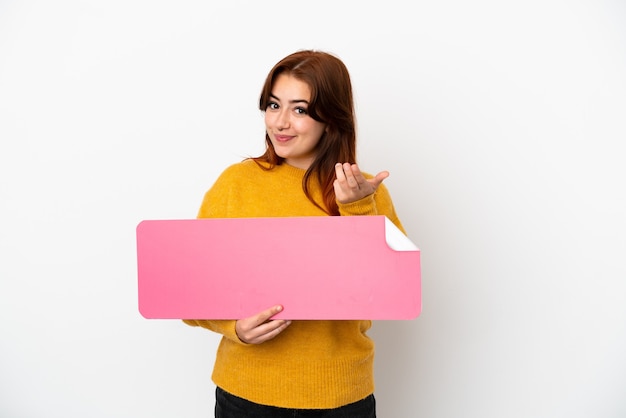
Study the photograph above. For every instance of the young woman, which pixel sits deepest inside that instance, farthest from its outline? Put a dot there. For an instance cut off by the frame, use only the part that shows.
(275, 368)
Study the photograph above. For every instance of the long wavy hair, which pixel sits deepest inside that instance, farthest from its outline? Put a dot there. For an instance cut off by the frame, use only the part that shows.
(331, 103)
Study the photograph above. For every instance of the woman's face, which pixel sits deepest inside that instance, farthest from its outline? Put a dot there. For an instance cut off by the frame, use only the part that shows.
(294, 134)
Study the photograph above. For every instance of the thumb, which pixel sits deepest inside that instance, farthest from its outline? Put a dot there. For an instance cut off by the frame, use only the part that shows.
(375, 182)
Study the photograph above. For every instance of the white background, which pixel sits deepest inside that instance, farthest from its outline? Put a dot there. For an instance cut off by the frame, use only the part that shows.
(502, 124)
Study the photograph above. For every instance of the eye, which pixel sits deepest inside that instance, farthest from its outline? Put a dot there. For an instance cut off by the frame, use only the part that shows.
(301, 111)
(272, 105)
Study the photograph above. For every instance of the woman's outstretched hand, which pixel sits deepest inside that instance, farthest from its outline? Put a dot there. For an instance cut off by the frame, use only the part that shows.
(260, 328)
(350, 184)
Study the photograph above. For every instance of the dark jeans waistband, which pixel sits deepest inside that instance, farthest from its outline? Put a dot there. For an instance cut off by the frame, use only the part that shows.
(231, 406)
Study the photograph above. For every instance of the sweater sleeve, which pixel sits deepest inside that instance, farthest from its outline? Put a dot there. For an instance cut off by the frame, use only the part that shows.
(215, 205)
(224, 327)
(378, 203)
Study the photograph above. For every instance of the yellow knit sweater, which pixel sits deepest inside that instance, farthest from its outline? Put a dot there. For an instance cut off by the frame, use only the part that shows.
(312, 364)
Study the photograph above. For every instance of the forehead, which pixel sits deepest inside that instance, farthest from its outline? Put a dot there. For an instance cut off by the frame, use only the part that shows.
(287, 87)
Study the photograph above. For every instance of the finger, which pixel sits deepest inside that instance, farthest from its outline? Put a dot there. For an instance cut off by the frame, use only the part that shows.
(251, 329)
(266, 315)
(246, 327)
(272, 329)
(347, 169)
(267, 331)
(358, 175)
(341, 176)
(375, 181)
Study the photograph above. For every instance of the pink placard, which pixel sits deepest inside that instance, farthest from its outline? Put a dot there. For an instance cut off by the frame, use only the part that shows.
(326, 267)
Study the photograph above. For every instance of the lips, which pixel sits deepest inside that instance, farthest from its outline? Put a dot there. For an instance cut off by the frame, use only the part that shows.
(283, 138)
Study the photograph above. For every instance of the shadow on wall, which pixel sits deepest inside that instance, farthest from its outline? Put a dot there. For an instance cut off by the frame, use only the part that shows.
(396, 365)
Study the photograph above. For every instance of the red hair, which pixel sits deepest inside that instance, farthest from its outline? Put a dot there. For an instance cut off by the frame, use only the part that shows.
(331, 103)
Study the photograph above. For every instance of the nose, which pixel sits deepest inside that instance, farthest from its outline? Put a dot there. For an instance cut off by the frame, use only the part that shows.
(282, 119)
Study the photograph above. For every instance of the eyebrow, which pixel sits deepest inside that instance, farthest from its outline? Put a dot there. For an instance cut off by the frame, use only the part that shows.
(291, 101)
